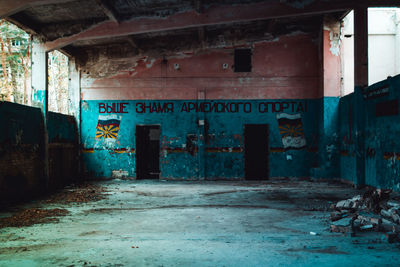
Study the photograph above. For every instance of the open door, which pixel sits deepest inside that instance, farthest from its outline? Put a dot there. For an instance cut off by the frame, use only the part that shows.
(147, 152)
(256, 152)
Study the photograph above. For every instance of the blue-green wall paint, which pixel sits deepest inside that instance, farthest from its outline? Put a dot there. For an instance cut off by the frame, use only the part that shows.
(328, 136)
(62, 128)
(345, 139)
(22, 143)
(20, 124)
(370, 146)
(220, 155)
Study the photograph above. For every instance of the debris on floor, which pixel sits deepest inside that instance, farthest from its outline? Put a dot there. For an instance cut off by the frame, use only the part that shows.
(376, 210)
(32, 216)
(82, 193)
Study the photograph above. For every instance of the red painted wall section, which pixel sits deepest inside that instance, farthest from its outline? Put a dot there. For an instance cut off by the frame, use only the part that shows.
(331, 59)
(285, 68)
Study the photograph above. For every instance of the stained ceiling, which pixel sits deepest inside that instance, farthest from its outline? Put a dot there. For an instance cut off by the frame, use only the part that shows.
(144, 25)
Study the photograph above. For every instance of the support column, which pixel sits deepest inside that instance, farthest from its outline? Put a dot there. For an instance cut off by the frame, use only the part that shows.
(361, 46)
(328, 160)
(74, 90)
(40, 96)
(74, 94)
(360, 82)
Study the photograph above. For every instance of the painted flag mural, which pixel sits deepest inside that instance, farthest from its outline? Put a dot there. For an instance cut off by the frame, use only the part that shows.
(108, 127)
(291, 129)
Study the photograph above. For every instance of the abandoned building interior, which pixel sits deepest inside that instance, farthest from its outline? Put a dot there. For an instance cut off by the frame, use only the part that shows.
(225, 117)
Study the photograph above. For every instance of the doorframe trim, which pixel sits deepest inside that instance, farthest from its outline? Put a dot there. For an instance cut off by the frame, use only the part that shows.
(244, 149)
(159, 149)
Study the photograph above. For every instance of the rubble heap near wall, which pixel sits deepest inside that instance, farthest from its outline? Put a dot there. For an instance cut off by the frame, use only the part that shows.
(376, 210)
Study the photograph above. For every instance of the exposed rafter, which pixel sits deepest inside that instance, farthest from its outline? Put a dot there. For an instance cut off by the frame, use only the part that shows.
(108, 11)
(8, 8)
(198, 5)
(132, 41)
(201, 33)
(214, 15)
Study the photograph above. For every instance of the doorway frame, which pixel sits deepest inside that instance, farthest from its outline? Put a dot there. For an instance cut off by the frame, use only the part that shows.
(136, 154)
(267, 150)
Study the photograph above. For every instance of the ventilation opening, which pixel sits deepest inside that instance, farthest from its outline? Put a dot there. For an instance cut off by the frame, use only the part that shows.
(242, 60)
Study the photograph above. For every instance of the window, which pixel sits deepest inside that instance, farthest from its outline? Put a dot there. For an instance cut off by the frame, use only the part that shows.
(383, 46)
(383, 43)
(242, 60)
(58, 82)
(15, 66)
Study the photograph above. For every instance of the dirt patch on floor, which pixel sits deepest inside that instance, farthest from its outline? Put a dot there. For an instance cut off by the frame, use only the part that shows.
(29, 217)
(282, 196)
(79, 194)
(107, 210)
(21, 249)
(326, 250)
(154, 194)
(91, 233)
(235, 191)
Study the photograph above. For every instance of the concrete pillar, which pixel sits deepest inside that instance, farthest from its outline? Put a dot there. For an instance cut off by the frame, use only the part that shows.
(359, 127)
(328, 116)
(40, 97)
(361, 46)
(331, 58)
(74, 90)
(360, 81)
(397, 45)
(74, 94)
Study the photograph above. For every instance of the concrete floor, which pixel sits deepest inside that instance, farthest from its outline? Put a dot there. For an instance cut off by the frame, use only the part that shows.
(198, 224)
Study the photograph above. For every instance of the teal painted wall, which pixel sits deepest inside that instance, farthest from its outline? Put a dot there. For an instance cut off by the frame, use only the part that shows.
(15, 118)
(64, 162)
(328, 139)
(370, 147)
(347, 148)
(220, 144)
(22, 151)
(62, 128)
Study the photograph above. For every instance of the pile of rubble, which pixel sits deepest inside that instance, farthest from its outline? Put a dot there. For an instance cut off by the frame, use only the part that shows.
(377, 210)
(32, 216)
(82, 193)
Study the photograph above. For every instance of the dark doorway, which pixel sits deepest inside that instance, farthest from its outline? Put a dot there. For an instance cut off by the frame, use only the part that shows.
(147, 152)
(256, 151)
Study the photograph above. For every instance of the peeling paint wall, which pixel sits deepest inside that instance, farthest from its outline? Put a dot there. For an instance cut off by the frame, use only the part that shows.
(328, 159)
(331, 58)
(285, 78)
(22, 151)
(219, 143)
(63, 150)
(377, 109)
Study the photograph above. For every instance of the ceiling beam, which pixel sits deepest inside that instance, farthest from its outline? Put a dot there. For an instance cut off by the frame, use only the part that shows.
(214, 15)
(131, 41)
(8, 8)
(22, 23)
(201, 34)
(110, 13)
(198, 5)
